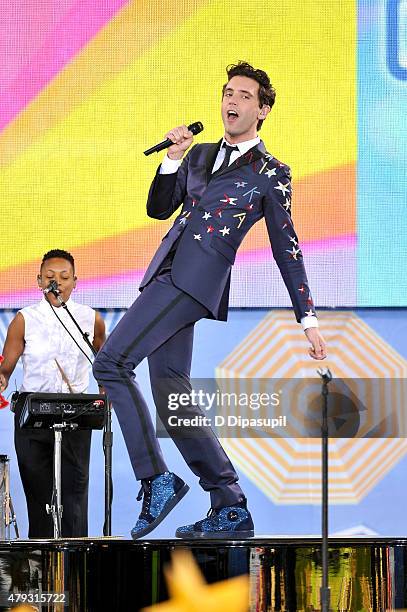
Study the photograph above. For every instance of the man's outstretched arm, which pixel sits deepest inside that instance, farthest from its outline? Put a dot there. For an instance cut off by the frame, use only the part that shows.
(288, 256)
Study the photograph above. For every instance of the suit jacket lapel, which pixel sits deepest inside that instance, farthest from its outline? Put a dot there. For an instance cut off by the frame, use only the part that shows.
(210, 159)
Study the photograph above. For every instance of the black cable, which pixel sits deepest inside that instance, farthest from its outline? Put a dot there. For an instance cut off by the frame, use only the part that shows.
(107, 429)
(66, 329)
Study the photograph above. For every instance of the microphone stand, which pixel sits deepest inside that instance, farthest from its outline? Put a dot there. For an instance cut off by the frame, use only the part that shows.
(107, 431)
(325, 592)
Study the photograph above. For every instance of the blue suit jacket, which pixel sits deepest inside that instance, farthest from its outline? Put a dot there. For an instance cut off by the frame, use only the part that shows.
(217, 212)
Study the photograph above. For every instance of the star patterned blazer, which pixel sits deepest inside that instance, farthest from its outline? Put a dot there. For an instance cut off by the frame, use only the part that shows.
(217, 212)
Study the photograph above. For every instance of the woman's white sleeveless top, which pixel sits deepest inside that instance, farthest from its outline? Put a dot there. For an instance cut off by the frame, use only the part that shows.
(51, 359)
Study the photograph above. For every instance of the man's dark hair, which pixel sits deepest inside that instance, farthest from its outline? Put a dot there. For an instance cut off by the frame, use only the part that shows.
(267, 94)
(61, 254)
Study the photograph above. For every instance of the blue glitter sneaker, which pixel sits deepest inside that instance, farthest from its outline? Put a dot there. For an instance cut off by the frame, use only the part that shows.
(233, 522)
(160, 495)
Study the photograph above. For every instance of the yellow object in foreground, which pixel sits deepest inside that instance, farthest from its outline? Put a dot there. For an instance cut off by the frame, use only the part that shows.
(190, 593)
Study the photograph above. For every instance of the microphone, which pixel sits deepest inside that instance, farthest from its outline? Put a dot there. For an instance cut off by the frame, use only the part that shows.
(195, 128)
(52, 288)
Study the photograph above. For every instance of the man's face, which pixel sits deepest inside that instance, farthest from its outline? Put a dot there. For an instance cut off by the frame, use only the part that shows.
(61, 271)
(241, 110)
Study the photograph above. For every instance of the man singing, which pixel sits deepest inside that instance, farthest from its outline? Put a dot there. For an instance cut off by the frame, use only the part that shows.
(53, 363)
(224, 189)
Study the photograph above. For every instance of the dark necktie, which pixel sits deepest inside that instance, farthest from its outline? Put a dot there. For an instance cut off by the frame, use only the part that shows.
(228, 153)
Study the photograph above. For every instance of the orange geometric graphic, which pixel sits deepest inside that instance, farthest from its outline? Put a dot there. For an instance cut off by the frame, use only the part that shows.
(288, 470)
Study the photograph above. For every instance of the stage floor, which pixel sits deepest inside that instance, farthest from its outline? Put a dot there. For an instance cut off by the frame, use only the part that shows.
(116, 574)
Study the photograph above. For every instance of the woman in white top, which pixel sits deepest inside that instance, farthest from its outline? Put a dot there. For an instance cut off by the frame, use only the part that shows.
(53, 363)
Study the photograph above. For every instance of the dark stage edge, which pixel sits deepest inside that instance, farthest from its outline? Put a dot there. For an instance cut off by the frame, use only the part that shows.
(114, 574)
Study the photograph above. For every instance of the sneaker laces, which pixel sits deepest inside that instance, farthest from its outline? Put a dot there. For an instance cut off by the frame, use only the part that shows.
(211, 513)
(145, 495)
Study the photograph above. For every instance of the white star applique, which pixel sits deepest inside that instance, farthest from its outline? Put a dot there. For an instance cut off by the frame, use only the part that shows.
(240, 184)
(225, 230)
(229, 200)
(271, 172)
(268, 156)
(197, 237)
(309, 313)
(206, 216)
(294, 252)
(183, 220)
(283, 188)
(293, 240)
(287, 203)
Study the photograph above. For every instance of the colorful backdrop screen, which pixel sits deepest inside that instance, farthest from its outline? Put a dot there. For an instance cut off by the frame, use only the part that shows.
(87, 86)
